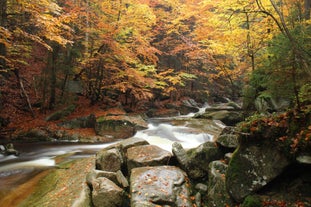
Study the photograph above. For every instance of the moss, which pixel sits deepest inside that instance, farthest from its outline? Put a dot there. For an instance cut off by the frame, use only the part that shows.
(234, 168)
(252, 201)
(46, 185)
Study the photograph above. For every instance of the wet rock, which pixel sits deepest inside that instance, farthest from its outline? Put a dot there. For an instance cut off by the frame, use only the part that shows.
(80, 122)
(228, 138)
(94, 174)
(122, 179)
(146, 155)
(252, 167)
(159, 186)
(106, 193)
(202, 188)
(115, 129)
(184, 161)
(132, 142)
(229, 118)
(109, 160)
(195, 161)
(228, 157)
(8, 150)
(217, 192)
(119, 126)
(304, 159)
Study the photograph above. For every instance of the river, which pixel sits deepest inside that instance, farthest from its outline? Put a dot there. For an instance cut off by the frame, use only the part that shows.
(37, 157)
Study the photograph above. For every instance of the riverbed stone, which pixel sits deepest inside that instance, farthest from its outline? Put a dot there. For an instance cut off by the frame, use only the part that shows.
(146, 155)
(228, 117)
(217, 192)
(80, 122)
(252, 167)
(132, 142)
(228, 138)
(106, 193)
(195, 161)
(94, 174)
(109, 160)
(159, 186)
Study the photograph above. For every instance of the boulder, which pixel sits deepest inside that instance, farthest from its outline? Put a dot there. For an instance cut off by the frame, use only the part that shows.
(109, 160)
(252, 166)
(116, 129)
(106, 193)
(94, 174)
(8, 150)
(188, 106)
(217, 192)
(229, 118)
(131, 142)
(159, 186)
(119, 126)
(228, 138)
(195, 161)
(146, 155)
(80, 122)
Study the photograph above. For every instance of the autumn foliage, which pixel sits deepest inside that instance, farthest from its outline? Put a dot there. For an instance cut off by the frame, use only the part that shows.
(137, 52)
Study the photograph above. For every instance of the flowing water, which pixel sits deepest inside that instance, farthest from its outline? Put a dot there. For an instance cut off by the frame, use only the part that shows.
(37, 157)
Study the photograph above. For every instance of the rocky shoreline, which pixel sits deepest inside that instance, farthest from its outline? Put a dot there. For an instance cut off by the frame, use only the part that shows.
(236, 169)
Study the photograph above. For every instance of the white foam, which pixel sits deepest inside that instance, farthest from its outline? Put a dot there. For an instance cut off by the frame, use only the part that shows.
(42, 162)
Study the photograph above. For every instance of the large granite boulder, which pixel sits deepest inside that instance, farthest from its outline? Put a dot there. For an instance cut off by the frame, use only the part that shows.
(217, 192)
(228, 138)
(253, 165)
(109, 160)
(195, 161)
(228, 117)
(106, 193)
(146, 155)
(131, 142)
(118, 126)
(80, 122)
(159, 186)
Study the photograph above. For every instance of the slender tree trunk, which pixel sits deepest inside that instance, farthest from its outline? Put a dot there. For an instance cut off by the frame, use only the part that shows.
(307, 6)
(3, 23)
(21, 85)
(52, 65)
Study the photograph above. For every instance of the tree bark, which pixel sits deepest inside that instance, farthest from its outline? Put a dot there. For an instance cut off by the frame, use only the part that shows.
(21, 85)
(307, 7)
(3, 23)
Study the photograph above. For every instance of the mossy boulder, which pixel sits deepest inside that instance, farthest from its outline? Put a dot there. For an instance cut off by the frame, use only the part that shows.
(195, 161)
(252, 201)
(217, 192)
(228, 117)
(119, 126)
(80, 122)
(253, 166)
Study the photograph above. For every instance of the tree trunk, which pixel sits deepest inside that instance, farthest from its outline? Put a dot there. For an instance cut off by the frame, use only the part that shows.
(3, 23)
(307, 6)
(52, 65)
(21, 85)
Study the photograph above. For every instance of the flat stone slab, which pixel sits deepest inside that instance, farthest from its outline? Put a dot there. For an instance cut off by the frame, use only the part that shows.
(146, 155)
(159, 186)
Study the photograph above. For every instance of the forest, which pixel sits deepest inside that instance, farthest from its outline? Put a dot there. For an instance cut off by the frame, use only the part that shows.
(228, 80)
(138, 52)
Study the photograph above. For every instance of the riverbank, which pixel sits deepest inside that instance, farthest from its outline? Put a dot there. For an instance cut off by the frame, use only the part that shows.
(63, 186)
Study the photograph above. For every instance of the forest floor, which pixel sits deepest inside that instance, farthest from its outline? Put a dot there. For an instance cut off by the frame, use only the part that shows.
(20, 121)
